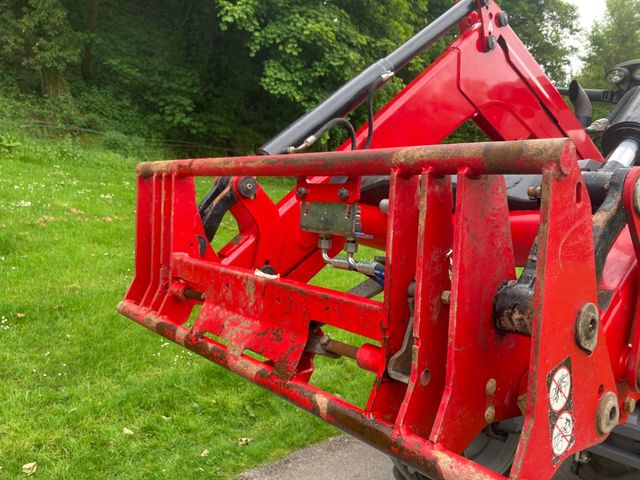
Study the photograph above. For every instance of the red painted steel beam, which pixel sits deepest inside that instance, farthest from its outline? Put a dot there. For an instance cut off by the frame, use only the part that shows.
(524, 156)
(410, 448)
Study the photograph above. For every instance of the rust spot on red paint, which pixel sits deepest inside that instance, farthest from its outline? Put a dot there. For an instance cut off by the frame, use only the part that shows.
(497, 157)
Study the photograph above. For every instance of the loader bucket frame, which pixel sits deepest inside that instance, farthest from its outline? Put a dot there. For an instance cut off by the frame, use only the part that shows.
(463, 374)
(428, 422)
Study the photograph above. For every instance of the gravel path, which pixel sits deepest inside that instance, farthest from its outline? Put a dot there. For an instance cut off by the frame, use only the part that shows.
(340, 458)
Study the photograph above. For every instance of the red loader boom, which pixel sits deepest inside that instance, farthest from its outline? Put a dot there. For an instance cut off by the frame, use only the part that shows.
(459, 344)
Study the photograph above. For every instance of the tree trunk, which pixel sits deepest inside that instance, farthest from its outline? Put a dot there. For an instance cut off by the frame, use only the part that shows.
(54, 85)
(85, 66)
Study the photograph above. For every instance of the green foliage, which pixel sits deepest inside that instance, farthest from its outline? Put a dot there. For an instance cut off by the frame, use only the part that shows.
(8, 141)
(36, 35)
(223, 73)
(123, 144)
(75, 374)
(308, 49)
(546, 28)
(613, 40)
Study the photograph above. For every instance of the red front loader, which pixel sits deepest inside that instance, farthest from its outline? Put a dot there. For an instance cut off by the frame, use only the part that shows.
(505, 339)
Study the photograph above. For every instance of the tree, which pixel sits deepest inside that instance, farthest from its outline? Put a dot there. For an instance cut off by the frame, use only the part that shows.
(545, 27)
(309, 48)
(85, 65)
(226, 72)
(613, 40)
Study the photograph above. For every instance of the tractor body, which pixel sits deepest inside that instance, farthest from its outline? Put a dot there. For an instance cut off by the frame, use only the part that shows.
(506, 284)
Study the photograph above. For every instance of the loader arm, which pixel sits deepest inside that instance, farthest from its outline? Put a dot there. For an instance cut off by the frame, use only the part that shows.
(443, 369)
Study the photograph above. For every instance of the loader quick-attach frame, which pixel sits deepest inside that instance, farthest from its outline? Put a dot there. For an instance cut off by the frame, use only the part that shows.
(450, 348)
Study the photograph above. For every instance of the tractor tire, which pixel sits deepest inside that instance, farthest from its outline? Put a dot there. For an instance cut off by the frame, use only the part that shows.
(491, 449)
(403, 472)
(621, 444)
(602, 468)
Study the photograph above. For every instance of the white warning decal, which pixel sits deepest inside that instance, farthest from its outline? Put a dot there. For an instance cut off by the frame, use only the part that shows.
(562, 435)
(560, 389)
(561, 420)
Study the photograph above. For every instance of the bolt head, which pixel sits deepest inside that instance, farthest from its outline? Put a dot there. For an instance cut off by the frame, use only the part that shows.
(302, 192)
(534, 192)
(425, 378)
(491, 387)
(586, 329)
(629, 405)
(343, 194)
(503, 19)
(608, 413)
(247, 187)
(491, 42)
(445, 297)
(490, 414)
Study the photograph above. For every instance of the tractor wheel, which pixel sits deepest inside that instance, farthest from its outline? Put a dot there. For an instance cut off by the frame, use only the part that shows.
(601, 468)
(403, 472)
(621, 444)
(494, 448)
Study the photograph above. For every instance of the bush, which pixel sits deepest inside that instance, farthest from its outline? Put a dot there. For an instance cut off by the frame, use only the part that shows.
(126, 145)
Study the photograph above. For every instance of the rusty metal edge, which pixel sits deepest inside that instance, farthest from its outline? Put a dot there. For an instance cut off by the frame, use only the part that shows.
(423, 455)
(522, 156)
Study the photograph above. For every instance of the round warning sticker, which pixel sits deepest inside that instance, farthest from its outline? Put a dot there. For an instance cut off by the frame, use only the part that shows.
(562, 437)
(560, 389)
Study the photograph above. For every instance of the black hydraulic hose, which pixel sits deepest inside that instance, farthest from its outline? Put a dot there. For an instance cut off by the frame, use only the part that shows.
(339, 121)
(596, 95)
(311, 139)
(581, 103)
(370, 93)
(355, 91)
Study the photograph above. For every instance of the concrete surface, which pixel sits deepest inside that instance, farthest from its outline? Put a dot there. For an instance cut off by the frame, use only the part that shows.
(340, 458)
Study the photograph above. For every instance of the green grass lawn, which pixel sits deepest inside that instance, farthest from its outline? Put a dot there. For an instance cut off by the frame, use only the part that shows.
(75, 374)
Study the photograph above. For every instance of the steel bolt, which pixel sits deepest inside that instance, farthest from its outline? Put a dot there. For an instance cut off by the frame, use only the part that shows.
(629, 405)
(247, 187)
(445, 297)
(491, 42)
(302, 192)
(584, 457)
(608, 414)
(425, 378)
(491, 387)
(581, 458)
(343, 194)
(503, 19)
(490, 414)
(534, 193)
(587, 327)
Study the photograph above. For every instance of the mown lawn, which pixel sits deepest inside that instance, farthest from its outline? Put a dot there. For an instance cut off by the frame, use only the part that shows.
(87, 393)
